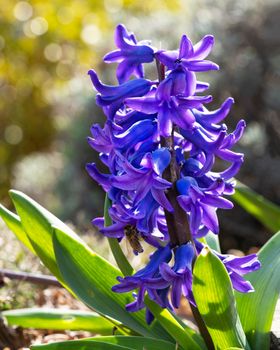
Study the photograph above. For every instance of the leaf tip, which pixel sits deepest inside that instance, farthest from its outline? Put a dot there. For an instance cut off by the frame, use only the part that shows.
(205, 251)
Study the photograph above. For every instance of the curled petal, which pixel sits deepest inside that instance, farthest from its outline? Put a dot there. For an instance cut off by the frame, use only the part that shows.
(200, 66)
(217, 202)
(114, 56)
(240, 284)
(203, 47)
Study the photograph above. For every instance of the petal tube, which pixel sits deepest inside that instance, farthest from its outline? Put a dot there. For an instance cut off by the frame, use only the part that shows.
(146, 104)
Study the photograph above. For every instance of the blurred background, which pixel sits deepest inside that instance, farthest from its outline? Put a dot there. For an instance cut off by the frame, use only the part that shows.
(47, 101)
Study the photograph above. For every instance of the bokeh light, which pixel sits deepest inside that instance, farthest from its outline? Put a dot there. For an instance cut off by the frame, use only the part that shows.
(23, 11)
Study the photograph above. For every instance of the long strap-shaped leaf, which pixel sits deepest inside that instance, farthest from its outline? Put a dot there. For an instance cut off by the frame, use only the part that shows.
(58, 319)
(13, 222)
(256, 310)
(113, 342)
(37, 224)
(91, 278)
(261, 208)
(80, 345)
(215, 300)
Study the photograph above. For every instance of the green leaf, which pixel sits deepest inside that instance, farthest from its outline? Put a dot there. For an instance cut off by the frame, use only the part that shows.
(256, 309)
(80, 345)
(212, 241)
(91, 278)
(186, 337)
(14, 224)
(58, 319)
(265, 211)
(37, 223)
(119, 256)
(135, 343)
(214, 297)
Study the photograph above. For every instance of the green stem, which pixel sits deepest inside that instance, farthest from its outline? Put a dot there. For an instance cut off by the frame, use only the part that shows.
(119, 256)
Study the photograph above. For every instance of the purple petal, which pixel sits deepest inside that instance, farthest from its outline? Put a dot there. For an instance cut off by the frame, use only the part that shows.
(195, 218)
(191, 83)
(164, 121)
(232, 170)
(186, 48)
(146, 104)
(103, 89)
(203, 47)
(164, 89)
(200, 66)
(114, 56)
(102, 179)
(210, 218)
(201, 86)
(183, 118)
(240, 284)
(167, 273)
(161, 198)
(125, 70)
(114, 231)
(122, 37)
(176, 292)
(161, 159)
(167, 58)
(217, 202)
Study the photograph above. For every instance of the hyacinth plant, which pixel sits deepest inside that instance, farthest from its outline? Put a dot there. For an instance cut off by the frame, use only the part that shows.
(160, 144)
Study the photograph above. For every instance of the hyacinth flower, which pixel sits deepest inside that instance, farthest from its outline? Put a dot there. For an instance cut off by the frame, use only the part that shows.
(237, 267)
(192, 57)
(145, 279)
(160, 143)
(180, 275)
(201, 203)
(112, 97)
(130, 55)
(172, 102)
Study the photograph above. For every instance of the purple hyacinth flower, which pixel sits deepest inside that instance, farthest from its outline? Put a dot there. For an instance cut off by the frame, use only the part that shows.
(101, 138)
(143, 278)
(239, 266)
(172, 101)
(102, 179)
(140, 131)
(140, 115)
(180, 275)
(130, 55)
(112, 97)
(147, 178)
(201, 203)
(190, 56)
(145, 216)
(209, 119)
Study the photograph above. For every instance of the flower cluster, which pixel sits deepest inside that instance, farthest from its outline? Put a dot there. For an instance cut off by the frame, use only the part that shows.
(160, 143)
